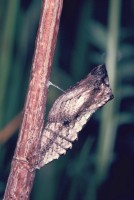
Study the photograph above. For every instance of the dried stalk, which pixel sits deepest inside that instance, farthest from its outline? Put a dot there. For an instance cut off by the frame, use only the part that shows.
(22, 171)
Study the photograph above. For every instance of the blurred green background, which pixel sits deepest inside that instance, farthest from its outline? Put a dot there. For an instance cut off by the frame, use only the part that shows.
(100, 165)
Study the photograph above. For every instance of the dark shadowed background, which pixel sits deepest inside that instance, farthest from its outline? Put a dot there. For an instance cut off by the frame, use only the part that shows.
(100, 165)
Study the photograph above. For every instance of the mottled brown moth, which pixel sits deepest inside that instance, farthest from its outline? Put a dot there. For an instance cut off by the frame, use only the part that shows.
(70, 113)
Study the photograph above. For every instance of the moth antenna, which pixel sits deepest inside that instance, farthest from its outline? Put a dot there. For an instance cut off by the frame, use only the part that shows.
(50, 83)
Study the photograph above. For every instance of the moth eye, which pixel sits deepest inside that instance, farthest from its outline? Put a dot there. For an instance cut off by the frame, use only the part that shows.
(66, 122)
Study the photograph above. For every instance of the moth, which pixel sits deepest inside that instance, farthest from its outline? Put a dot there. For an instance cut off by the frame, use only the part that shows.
(70, 113)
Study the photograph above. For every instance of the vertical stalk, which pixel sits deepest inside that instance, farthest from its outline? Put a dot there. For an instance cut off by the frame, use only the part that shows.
(22, 170)
(108, 122)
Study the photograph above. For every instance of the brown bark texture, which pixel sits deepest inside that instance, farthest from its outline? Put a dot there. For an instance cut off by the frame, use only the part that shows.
(22, 173)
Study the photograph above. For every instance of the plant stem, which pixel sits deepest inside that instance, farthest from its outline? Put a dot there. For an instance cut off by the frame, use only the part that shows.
(22, 171)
